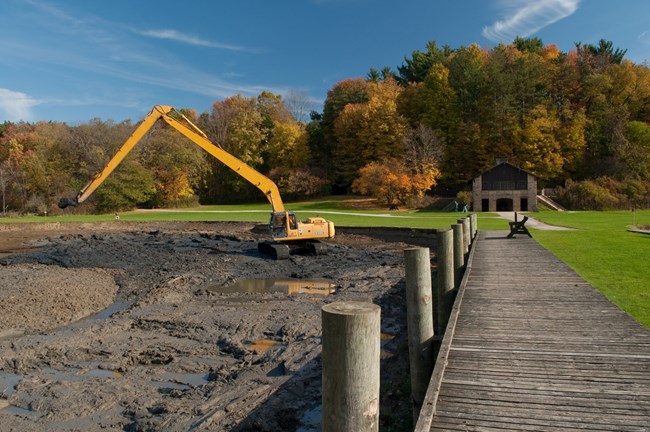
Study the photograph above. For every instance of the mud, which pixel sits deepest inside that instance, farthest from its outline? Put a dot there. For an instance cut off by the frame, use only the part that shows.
(122, 326)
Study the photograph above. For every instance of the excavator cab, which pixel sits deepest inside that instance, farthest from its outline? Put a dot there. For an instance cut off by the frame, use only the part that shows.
(283, 225)
(278, 225)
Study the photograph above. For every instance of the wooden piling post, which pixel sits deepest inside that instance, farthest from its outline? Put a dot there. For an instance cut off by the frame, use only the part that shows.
(465, 235)
(445, 276)
(468, 234)
(419, 315)
(459, 256)
(351, 341)
(472, 229)
(475, 219)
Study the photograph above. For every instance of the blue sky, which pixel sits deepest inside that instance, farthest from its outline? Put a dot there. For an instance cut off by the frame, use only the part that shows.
(74, 60)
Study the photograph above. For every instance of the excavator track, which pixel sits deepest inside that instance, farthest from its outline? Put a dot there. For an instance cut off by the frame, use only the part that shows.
(317, 248)
(280, 251)
(275, 250)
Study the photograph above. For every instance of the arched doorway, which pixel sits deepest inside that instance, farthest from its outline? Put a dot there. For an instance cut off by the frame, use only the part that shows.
(504, 204)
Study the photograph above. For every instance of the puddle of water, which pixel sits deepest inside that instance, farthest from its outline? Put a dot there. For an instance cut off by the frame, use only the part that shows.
(278, 371)
(22, 412)
(262, 345)
(109, 311)
(102, 373)
(311, 420)
(170, 385)
(8, 383)
(84, 364)
(273, 285)
(186, 379)
(385, 339)
(76, 374)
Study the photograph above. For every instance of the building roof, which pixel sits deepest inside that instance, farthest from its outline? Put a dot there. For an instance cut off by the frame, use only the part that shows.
(510, 165)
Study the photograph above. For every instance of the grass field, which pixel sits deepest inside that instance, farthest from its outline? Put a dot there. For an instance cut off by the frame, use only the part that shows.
(601, 249)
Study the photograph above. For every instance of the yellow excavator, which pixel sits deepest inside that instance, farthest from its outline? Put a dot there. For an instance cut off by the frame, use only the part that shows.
(285, 229)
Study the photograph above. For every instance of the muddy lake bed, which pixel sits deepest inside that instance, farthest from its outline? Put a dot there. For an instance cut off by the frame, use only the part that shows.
(182, 326)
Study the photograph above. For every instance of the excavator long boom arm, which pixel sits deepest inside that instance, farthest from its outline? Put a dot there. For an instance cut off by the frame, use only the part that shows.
(263, 183)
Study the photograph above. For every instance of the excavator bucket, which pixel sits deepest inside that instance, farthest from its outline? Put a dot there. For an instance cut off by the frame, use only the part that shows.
(67, 202)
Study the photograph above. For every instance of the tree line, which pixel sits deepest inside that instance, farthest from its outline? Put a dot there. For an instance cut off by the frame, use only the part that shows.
(578, 119)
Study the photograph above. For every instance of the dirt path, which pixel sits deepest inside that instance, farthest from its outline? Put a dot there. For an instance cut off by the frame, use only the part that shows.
(128, 326)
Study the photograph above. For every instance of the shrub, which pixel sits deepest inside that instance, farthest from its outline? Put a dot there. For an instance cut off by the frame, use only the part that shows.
(604, 193)
(464, 198)
(297, 183)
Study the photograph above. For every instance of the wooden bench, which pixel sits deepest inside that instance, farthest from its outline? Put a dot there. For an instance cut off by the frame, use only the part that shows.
(518, 227)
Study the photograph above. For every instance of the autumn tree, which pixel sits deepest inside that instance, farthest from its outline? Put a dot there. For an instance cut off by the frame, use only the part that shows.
(45, 169)
(299, 104)
(10, 175)
(536, 147)
(127, 187)
(416, 68)
(368, 131)
(346, 156)
(342, 94)
(392, 182)
(236, 125)
(636, 152)
(16, 142)
(177, 166)
(272, 109)
(423, 151)
(287, 146)
(468, 80)
(289, 155)
(597, 58)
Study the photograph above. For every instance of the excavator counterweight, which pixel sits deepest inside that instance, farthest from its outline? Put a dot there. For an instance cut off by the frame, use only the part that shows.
(284, 227)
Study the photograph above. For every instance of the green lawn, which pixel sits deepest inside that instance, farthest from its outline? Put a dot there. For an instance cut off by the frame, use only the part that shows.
(601, 250)
(337, 210)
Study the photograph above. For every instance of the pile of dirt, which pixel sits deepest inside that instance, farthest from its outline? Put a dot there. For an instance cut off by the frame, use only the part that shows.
(127, 326)
(36, 297)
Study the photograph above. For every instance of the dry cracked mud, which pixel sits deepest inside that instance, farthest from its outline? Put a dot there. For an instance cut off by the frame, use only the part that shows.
(132, 326)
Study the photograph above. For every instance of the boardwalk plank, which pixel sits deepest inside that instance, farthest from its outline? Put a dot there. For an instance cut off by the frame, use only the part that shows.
(535, 347)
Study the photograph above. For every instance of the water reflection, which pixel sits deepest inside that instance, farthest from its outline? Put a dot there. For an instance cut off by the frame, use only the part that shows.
(276, 285)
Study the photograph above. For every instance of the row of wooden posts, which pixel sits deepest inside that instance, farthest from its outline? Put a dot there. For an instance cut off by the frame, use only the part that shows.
(352, 330)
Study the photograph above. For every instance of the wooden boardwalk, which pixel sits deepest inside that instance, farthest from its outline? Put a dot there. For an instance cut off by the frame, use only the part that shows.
(534, 347)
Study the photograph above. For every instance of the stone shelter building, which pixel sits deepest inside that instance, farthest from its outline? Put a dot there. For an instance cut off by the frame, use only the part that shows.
(505, 187)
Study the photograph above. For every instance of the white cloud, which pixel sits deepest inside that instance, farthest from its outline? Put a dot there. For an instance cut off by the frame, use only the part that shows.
(92, 49)
(177, 36)
(16, 106)
(528, 18)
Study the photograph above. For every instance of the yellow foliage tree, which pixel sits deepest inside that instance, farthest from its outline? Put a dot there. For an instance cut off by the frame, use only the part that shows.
(287, 145)
(369, 131)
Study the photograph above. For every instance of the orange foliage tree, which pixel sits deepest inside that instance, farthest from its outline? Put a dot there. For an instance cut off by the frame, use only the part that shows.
(393, 183)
